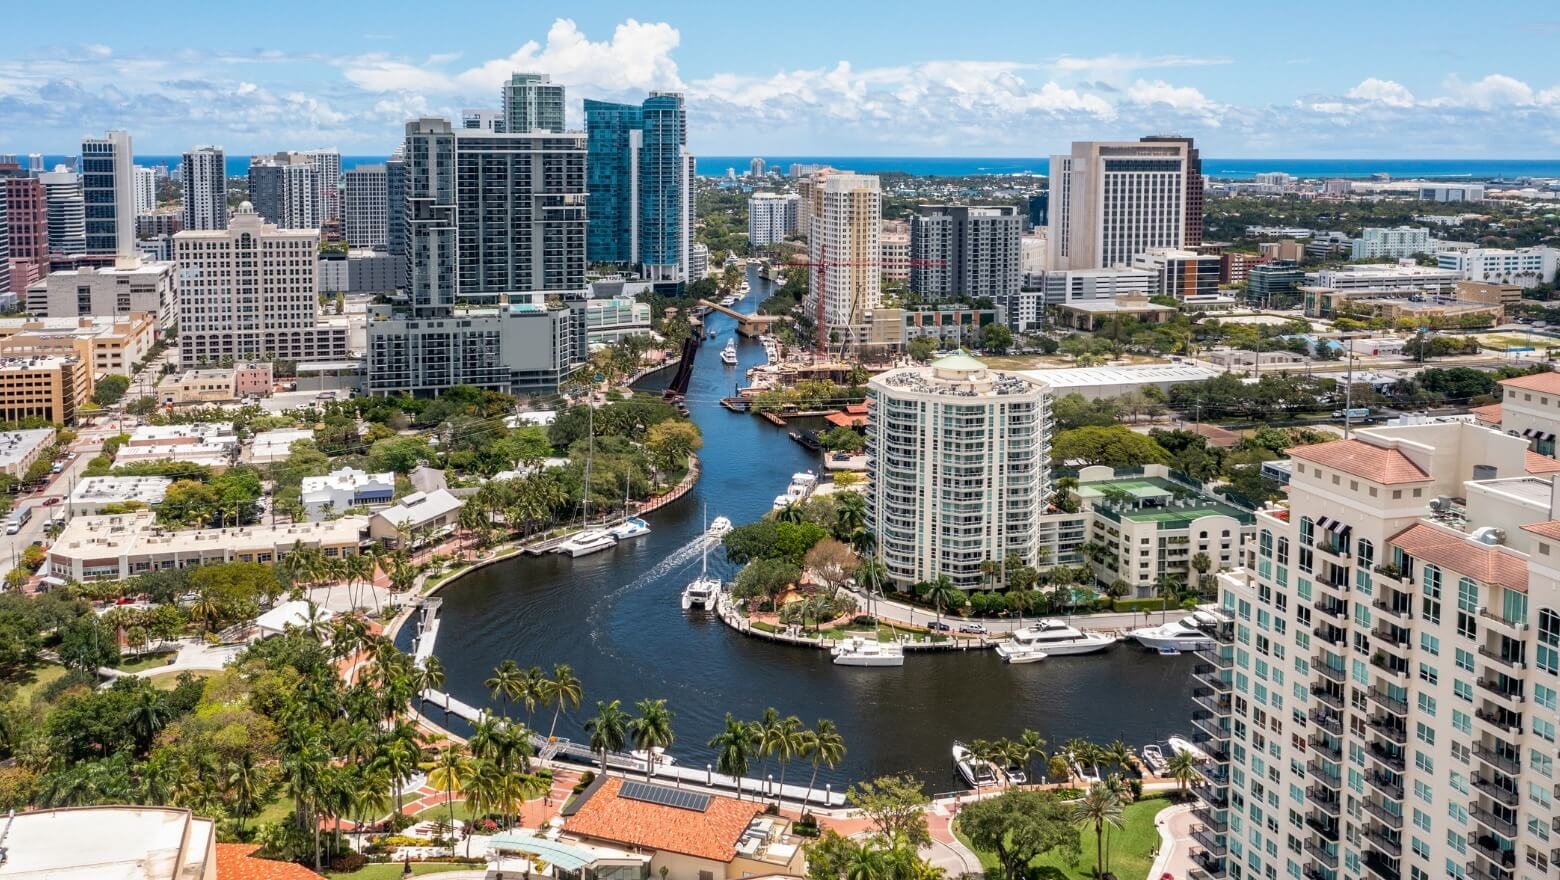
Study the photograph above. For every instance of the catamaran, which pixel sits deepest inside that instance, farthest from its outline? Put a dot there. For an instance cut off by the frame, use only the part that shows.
(703, 591)
(587, 540)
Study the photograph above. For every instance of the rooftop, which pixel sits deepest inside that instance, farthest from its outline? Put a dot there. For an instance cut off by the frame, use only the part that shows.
(138, 533)
(107, 843)
(1548, 382)
(1065, 380)
(420, 507)
(236, 861)
(604, 813)
(14, 445)
(1376, 463)
(1488, 563)
(1158, 500)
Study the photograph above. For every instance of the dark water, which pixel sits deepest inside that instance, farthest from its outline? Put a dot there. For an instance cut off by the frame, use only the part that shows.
(615, 618)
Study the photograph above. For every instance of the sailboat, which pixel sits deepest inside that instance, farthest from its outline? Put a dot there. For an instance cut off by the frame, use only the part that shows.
(631, 526)
(703, 590)
(587, 540)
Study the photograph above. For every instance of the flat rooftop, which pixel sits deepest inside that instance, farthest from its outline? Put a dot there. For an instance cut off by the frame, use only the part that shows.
(1157, 497)
(107, 843)
(1083, 377)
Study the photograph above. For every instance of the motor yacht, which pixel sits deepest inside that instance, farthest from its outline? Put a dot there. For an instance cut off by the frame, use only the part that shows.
(630, 527)
(975, 772)
(1153, 758)
(1055, 637)
(1183, 746)
(1182, 635)
(858, 651)
(719, 526)
(586, 542)
(728, 355)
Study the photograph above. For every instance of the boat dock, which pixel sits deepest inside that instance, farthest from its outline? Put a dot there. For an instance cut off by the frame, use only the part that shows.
(427, 630)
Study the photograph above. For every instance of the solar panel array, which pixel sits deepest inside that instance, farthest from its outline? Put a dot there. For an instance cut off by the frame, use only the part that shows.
(668, 797)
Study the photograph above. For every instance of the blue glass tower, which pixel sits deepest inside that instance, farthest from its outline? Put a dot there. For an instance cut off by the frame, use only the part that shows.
(639, 184)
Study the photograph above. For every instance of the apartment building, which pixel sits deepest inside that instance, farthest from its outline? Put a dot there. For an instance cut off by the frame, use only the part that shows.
(1381, 701)
(203, 171)
(771, 217)
(67, 211)
(958, 464)
(248, 292)
(965, 251)
(1523, 267)
(366, 211)
(285, 191)
(1396, 242)
(640, 179)
(111, 345)
(845, 256)
(894, 245)
(531, 102)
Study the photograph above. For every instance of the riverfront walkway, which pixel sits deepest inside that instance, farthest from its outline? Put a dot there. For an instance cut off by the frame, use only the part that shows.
(894, 611)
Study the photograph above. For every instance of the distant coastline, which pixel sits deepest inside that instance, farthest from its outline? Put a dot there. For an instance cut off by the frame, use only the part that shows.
(1232, 169)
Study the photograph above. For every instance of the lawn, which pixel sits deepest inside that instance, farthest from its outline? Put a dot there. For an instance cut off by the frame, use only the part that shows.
(167, 681)
(36, 680)
(389, 871)
(1131, 847)
(433, 814)
(146, 661)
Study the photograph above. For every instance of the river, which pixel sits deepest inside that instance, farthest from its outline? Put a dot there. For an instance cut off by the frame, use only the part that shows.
(615, 618)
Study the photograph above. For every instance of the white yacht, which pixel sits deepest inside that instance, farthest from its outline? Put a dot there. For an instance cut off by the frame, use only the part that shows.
(1054, 637)
(728, 355)
(1182, 635)
(704, 591)
(719, 526)
(1015, 651)
(630, 527)
(586, 542)
(806, 481)
(727, 300)
(858, 651)
(1183, 746)
(1153, 758)
(975, 772)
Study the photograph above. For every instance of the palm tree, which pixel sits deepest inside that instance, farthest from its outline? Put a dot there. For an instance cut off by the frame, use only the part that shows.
(148, 713)
(791, 513)
(506, 683)
(1033, 746)
(533, 690)
(399, 756)
(244, 782)
(1118, 789)
(764, 730)
(303, 764)
(733, 745)
(607, 730)
(790, 740)
(941, 592)
(564, 688)
(1183, 768)
(452, 771)
(850, 515)
(870, 861)
(1098, 807)
(652, 730)
(1120, 754)
(822, 745)
(483, 790)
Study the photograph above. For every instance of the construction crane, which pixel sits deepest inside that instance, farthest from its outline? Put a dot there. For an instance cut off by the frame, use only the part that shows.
(821, 343)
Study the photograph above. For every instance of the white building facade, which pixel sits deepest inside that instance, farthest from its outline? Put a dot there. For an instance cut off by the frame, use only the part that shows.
(203, 172)
(771, 217)
(845, 256)
(1113, 201)
(1396, 242)
(1524, 267)
(366, 218)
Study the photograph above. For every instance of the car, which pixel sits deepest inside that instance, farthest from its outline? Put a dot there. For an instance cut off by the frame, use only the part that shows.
(977, 629)
(51, 500)
(938, 626)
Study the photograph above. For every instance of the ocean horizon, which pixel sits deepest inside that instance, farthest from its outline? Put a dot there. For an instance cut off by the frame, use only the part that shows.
(923, 166)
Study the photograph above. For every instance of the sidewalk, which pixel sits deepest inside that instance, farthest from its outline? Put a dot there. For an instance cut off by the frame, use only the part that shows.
(894, 611)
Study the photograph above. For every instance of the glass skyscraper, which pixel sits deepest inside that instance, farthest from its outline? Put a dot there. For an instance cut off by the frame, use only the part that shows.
(640, 185)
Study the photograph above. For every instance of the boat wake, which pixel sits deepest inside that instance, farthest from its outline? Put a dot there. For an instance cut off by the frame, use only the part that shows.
(679, 560)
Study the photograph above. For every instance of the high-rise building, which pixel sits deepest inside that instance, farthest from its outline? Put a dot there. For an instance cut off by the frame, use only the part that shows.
(844, 255)
(1275, 284)
(965, 252)
(1188, 276)
(771, 217)
(284, 191)
(1113, 201)
(958, 456)
(27, 209)
(249, 292)
(108, 193)
(495, 253)
(755, 167)
(1194, 185)
(327, 182)
(67, 211)
(641, 185)
(1379, 698)
(123, 289)
(5, 244)
(1524, 267)
(482, 120)
(145, 190)
(531, 103)
(34, 164)
(365, 220)
(894, 246)
(203, 172)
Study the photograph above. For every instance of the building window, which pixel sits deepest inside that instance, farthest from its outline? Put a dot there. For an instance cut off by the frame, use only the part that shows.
(1549, 641)
(1431, 607)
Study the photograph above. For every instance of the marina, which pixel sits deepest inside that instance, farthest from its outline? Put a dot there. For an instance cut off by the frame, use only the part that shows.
(615, 616)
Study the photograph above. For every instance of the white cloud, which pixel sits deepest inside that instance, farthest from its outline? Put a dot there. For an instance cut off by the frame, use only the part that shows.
(1184, 98)
(1495, 90)
(1382, 91)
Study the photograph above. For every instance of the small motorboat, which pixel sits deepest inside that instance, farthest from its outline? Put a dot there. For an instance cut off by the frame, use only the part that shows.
(586, 542)
(1153, 758)
(976, 773)
(1169, 652)
(1015, 774)
(858, 651)
(1181, 746)
(1020, 652)
(719, 526)
(630, 527)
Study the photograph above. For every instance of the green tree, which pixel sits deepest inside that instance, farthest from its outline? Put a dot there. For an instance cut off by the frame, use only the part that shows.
(1019, 826)
(1099, 807)
(652, 730)
(822, 745)
(996, 338)
(896, 806)
(921, 349)
(608, 730)
(1115, 446)
(733, 747)
(110, 390)
(452, 771)
(941, 592)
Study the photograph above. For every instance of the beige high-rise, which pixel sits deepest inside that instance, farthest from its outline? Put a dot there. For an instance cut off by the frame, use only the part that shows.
(845, 255)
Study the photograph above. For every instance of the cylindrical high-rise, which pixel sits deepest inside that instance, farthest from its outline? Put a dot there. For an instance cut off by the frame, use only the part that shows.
(958, 458)
(67, 211)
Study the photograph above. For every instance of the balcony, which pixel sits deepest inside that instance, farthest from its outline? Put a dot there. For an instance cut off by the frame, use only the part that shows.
(1385, 816)
(1387, 701)
(1384, 842)
(1326, 777)
(1333, 673)
(1387, 785)
(1324, 826)
(1498, 718)
(1215, 797)
(1489, 847)
(1508, 662)
(1328, 633)
(1390, 758)
(1211, 701)
(1323, 799)
(1399, 611)
(1496, 791)
(1338, 611)
(1389, 727)
(1330, 698)
(1396, 636)
(1327, 721)
(1207, 674)
(1320, 853)
(1208, 839)
(1215, 745)
(1206, 866)
(1378, 865)
(1217, 657)
(1502, 624)
(1391, 664)
(1497, 760)
(1323, 747)
(1209, 817)
(1506, 693)
(1487, 818)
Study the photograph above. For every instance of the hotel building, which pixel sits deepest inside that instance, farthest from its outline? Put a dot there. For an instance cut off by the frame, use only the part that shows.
(1113, 201)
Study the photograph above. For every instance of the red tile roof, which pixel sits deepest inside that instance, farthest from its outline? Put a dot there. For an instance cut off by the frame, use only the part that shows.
(1376, 463)
(1489, 415)
(708, 834)
(1539, 464)
(1548, 381)
(236, 862)
(1549, 529)
(1491, 564)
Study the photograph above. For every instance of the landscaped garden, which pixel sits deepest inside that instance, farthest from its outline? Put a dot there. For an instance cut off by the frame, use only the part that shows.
(1131, 847)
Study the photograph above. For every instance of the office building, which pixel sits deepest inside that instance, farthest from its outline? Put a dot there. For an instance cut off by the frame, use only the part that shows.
(249, 292)
(771, 217)
(1523, 267)
(203, 171)
(5, 252)
(1380, 697)
(965, 251)
(1192, 278)
(641, 185)
(958, 468)
(125, 545)
(894, 245)
(1026, 309)
(1038, 209)
(366, 218)
(1399, 277)
(531, 102)
(496, 243)
(482, 120)
(341, 490)
(108, 194)
(1113, 201)
(844, 255)
(284, 191)
(1284, 249)
(93, 494)
(1031, 253)
(67, 211)
(110, 345)
(1195, 185)
(121, 290)
(395, 217)
(158, 223)
(616, 318)
(145, 195)
(1396, 242)
(1461, 192)
(48, 388)
(360, 271)
(26, 218)
(1274, 284)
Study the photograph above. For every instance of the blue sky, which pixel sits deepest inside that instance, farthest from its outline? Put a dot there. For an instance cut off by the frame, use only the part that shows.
(1324, 79)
